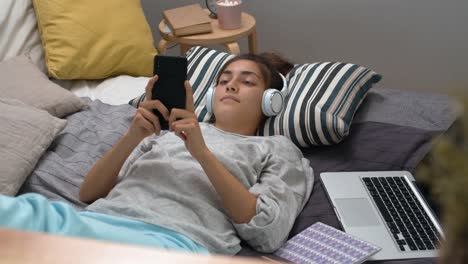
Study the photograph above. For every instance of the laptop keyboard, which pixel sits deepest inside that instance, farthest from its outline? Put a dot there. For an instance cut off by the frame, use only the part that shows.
(404, 216)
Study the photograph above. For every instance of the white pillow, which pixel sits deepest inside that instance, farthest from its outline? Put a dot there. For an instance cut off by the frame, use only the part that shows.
(18, 32)
(114, 91)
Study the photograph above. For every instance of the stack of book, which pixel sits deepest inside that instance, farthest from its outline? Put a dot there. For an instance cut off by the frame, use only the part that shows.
(187, 20)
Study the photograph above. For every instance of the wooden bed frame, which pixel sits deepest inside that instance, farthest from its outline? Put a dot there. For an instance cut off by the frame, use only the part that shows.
(38, 248)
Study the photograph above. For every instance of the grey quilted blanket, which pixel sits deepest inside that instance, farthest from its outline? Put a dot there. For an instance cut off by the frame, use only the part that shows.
(86, 137)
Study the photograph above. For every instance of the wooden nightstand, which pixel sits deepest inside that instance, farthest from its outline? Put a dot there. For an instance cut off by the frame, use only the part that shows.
(228, 38)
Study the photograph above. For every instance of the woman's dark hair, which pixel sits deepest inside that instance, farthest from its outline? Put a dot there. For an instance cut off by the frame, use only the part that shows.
(269, 63)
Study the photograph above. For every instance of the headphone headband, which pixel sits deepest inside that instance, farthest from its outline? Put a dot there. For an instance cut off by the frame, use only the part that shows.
(285, 84)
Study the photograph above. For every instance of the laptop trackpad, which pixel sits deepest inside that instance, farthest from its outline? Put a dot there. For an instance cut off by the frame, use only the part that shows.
(356, 212)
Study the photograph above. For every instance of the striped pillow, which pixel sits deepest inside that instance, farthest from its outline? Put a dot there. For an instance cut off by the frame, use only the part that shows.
(321, 102)
(319, 107)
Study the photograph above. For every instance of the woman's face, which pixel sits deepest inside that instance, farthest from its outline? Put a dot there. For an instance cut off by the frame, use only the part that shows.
(239, 92)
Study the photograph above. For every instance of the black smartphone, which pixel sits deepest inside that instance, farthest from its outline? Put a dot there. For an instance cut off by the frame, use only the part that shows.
(169, 89)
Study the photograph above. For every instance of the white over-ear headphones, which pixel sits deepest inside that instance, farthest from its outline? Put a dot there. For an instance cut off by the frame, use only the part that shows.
(272, 100)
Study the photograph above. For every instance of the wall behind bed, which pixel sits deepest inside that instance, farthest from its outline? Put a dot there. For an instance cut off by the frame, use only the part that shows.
(416, 44)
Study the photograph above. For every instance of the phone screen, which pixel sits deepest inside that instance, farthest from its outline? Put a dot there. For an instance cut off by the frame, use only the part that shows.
(169, 89)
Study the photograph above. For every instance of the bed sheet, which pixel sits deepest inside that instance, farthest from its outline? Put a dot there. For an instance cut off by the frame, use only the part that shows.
(113, 91)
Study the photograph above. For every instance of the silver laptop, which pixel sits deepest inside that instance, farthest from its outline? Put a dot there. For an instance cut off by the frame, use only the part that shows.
(385, 208)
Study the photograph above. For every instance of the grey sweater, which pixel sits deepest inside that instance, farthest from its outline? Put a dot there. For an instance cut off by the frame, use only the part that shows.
(162, 184)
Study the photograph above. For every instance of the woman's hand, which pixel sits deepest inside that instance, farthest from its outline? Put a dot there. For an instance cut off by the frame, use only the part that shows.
(185, 125)
(145, 123)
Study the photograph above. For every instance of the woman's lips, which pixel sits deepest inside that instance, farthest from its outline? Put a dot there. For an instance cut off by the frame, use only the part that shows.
(226, 97)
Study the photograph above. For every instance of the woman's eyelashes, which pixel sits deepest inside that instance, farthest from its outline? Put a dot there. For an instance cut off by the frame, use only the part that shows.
(244, 82)
(249, 83)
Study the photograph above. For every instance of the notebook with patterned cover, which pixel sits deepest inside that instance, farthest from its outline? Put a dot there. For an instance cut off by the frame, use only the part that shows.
(321, 243)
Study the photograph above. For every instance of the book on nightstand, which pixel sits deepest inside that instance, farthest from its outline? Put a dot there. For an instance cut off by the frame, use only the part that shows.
(187, 20)
(321, 243)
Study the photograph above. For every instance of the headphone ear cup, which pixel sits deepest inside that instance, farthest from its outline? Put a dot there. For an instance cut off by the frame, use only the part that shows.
(210, 100)
(272, 102)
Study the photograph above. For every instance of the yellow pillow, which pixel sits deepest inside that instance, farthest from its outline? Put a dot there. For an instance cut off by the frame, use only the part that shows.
(95, 39)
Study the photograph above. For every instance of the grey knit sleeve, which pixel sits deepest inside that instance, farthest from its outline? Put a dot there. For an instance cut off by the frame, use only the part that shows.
(282, 190)
(139, 150)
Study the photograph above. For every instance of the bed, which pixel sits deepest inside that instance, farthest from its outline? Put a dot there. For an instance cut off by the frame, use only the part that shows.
(389, 129)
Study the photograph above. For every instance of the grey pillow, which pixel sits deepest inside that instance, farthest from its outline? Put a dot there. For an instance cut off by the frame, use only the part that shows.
(20, 79)
(25, 133)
